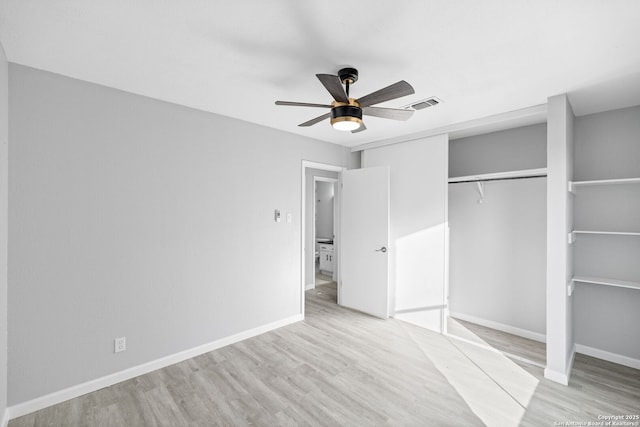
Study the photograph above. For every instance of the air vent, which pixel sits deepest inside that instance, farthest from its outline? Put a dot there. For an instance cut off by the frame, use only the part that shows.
(425, 103)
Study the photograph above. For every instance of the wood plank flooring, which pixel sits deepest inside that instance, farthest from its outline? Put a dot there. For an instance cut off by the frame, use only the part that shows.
(520, 347)
(343, 368)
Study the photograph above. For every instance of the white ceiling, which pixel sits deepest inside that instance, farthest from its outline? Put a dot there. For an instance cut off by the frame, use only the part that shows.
(236, 58)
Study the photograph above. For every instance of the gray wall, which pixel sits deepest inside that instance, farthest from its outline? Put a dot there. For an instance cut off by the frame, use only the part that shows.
(607, 146)
(309, 268)
(4, 139)
(133, 217)
(497, 265)
(324, 209)
(508, 150)
(418, 215)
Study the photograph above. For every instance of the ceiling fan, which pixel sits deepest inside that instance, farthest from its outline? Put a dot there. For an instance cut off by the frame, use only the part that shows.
(346, 113)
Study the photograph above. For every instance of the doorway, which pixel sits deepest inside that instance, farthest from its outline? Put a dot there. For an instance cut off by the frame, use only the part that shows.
(324, 231)
(324, 235)
(361, 228)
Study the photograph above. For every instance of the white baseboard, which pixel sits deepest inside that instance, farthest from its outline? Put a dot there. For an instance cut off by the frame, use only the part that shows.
(54, 398)
(610, 357)
(500, 327)
(5, 418)
(309, 286)
(562, 377)
(559, 377)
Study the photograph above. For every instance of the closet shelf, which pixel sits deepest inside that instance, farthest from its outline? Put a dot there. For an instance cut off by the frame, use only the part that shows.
(525, 173)
(574, 184)
(607, 282)
(613, 233)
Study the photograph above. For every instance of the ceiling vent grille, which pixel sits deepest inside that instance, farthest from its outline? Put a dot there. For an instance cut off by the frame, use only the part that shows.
(425, 103)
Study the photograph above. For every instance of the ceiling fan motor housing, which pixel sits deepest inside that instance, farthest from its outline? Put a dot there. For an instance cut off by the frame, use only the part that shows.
(346, 113)
(346, 110)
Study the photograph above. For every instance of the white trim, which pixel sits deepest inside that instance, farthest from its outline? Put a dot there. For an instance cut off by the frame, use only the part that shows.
(324, 179)
(5, 418)
(562, 377)
(528, 173)
(310, 286)
(323, 166)
(604, 182)
(558, 377)
(608, 356)
(606, 282)
(615, 233)
(512, 119)
(56, 397)
(444, 314)
(536, 336)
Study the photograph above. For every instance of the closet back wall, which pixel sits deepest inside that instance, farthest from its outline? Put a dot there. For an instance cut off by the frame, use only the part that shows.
(498, 247)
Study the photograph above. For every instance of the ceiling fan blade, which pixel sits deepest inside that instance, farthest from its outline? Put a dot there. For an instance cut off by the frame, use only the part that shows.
(316, 120)
(388, 113)
(388, 93)
(302, 104)
(334, 86)
(360, 129)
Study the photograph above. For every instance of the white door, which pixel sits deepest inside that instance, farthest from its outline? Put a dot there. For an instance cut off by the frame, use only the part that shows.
(365, 241)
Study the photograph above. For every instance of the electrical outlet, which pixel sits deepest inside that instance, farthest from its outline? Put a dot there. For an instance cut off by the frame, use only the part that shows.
(119, 344)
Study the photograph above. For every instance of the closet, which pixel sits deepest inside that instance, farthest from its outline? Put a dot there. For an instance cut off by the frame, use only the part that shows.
(497, 264)
(497, 233)
(605, 240)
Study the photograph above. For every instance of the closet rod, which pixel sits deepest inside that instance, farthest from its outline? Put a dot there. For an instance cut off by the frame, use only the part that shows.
(499, 179)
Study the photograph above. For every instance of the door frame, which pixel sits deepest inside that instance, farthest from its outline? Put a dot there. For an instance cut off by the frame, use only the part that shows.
(317, 179)
(306, 164)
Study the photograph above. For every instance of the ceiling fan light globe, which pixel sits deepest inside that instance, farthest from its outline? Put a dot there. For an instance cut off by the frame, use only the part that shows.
(346, 123)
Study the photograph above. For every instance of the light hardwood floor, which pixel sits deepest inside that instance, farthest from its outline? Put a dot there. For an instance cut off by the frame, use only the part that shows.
(321, 279)
(513, 345)
(343, 368)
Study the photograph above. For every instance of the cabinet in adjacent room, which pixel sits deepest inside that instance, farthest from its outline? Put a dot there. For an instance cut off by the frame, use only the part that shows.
(326, 258)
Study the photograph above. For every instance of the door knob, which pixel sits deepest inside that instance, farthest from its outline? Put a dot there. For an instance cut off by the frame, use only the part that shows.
(382, 249)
